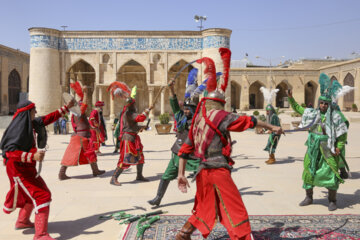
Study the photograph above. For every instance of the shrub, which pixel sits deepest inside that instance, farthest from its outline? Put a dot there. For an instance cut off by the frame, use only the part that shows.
(303, 105)
(164, 118)
(354, 105)
(256, 113)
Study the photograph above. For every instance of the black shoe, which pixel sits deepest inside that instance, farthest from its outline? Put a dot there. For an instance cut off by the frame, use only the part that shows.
(115, 151)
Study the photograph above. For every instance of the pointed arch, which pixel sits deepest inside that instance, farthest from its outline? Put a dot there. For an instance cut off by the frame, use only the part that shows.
(83, 72)
(235, 95)
(134, 74)
(281, 96)
(256, 99)
(349, 97)
(14, 89)
(180, 81)
(333, 78)
(310, 90)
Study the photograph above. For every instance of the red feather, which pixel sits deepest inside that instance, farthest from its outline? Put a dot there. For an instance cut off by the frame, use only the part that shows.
(78, 90)
(226, 58)
(210, 72)
(121, 86)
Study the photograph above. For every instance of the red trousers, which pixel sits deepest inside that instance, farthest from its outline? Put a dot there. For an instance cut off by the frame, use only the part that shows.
(25, 188)
(78, 152)
(217, 197)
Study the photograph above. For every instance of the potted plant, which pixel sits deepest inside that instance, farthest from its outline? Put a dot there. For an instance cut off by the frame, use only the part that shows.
(354, 107)
(164, 127)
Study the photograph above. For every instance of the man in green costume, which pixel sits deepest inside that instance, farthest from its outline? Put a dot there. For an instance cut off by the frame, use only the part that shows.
(183, 119)
(116, 129)
(273, 119)
(326, 139)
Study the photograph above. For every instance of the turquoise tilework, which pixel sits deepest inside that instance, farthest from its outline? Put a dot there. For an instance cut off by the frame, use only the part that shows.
(43, 41)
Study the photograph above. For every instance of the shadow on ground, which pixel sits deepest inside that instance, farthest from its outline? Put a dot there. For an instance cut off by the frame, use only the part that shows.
(70, 229)
(243, 191)
(342, 200)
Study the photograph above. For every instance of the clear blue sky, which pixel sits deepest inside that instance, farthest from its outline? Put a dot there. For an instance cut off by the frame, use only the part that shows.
(271, 29)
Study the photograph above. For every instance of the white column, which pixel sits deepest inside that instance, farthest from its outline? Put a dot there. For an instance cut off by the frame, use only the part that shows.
(162, 102)
(151, 99)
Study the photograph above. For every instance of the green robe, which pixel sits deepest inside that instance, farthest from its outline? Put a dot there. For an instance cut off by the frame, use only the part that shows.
(321, 168)
(171, 171)
(273, 138)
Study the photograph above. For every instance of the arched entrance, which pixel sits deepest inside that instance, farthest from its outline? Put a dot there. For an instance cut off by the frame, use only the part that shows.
(310, 93)
(281, 96)
(256, 98)
(133, 73)
(349, 97)
(235, 95)
(333, 78)
(85, 73)
(180, 82)
(14, 89)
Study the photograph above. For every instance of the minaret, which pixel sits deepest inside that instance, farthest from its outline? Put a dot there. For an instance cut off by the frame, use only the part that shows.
(44, 79)
(213, 39)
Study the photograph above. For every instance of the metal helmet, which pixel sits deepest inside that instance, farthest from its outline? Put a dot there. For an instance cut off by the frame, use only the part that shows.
(216, 94)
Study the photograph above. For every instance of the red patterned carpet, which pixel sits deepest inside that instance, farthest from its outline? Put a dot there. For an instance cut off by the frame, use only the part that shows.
(264, 227)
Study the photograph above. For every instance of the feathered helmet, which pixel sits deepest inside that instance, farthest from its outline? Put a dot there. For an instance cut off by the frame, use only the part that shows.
(269, 95)
(210, 71)
(331, 90)
(78, 90)
(120, 89)
(190, 100)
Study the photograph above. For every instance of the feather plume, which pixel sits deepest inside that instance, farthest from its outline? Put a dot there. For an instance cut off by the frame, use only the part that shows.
(78, 90)
(210, 72)
(202, 87)
(269, 95)
(226, 58)
(343, 91)
(191, 83)
(119, 89)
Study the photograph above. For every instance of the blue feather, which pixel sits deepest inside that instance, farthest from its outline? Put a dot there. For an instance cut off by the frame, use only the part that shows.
(191, 83)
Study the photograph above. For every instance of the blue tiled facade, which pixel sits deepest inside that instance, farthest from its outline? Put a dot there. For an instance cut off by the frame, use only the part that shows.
(43, 41)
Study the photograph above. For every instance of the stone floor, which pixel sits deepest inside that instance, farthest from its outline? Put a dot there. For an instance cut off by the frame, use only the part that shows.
(266, 190)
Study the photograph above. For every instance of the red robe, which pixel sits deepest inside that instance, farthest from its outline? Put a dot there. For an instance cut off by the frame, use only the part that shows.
(21, 170)
(97, 130)
(217, 196)
(131, 152)
(80, 149)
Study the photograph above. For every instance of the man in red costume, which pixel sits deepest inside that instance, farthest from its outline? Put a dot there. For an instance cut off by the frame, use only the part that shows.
(217, 197)
(80, 150)
(97, 129)
(28, 191)
(131, 149)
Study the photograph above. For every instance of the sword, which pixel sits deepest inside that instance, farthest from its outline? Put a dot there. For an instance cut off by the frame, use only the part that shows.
(314, 121)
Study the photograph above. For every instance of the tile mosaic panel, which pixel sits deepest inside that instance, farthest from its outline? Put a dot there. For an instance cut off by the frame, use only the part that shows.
(42, 41)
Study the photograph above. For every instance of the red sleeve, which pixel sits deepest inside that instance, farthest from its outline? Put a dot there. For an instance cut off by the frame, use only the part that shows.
(52, 117)
(73, 124)
(185, 150)
(20, 156)
(241, 124)
(94, 119)
(140, 117)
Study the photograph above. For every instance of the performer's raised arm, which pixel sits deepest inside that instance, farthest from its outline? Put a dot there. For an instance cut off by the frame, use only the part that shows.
(294, 105)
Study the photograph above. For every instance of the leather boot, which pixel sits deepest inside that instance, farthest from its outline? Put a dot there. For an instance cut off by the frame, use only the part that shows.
(41, 225)
(332, 200)
(23, 220)
(95, 169)
(185, 232)
(271, 159)
(139, 175)
(62, 173)
(343, 173)
(160, 192)
(308, 199)
(115, 176)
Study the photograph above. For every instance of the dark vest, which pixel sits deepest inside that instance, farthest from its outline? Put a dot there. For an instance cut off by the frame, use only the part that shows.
(82, 126)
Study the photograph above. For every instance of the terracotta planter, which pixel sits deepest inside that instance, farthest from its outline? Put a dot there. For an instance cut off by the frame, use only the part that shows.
(163, 128)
